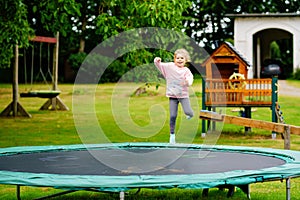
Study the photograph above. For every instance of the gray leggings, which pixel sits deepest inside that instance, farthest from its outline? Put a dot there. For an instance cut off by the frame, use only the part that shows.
(186, 106)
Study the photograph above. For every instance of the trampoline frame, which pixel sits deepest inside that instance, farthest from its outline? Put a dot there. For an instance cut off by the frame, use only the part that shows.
(121, 184)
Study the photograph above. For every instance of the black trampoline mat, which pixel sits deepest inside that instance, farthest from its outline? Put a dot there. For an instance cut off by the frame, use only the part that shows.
(75, 162)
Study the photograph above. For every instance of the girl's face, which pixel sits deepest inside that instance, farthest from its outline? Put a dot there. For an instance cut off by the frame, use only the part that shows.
(179, 60)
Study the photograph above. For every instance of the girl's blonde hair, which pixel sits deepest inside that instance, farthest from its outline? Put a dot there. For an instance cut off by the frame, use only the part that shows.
(184, 53)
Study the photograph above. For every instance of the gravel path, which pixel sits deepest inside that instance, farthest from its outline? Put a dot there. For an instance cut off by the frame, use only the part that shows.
(288, 90)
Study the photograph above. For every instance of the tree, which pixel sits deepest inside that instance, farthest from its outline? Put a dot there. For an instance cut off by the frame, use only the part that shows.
(47, 17)
(117, 16)
(208, 22)
(14, 28)
(85, 23)
(22, 19)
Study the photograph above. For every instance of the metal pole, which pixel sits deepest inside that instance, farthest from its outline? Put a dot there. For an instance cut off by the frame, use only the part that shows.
(247, 115)
(18, 192)
(122, 195)
(288, 189)
(274, 100)
(203, 107)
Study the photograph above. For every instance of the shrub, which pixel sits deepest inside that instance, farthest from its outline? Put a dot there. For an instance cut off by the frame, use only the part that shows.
(76, 60)
(296, 74)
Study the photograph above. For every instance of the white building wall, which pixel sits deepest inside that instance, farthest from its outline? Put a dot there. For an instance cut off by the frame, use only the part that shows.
(246, 27)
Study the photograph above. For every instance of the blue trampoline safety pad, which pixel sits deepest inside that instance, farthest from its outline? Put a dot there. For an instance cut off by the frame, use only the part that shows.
(123, 166)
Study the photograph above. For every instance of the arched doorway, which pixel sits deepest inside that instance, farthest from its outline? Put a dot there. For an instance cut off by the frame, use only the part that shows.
(273, 46)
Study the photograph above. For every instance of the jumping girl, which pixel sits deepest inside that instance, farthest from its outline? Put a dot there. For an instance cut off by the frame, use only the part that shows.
(178, 78)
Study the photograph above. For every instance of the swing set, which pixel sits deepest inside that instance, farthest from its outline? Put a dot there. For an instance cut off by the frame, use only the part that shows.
(53, 102)
(50, 93)
(39, 93)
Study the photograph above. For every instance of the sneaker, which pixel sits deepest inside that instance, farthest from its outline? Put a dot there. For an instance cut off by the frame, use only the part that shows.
(172, 139)
(188, 117)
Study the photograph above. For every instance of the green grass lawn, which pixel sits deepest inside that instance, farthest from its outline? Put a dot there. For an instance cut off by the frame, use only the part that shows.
(138, 119)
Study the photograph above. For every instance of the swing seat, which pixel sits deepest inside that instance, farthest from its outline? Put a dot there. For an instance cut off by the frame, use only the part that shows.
(41, 93)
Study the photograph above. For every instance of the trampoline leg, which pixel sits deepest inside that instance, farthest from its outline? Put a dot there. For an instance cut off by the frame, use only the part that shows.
(245, 189)
(288, 188)
(56, 195)
(122, 195)
(205, 192)
(18, 190)
(138, 191)
(230, 191)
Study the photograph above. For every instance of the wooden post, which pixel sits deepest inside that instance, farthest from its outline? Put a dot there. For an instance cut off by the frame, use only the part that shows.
(15, 108)
(287, 137)
(15, 85)
(213, 124)
(55, 63)
(55, 103)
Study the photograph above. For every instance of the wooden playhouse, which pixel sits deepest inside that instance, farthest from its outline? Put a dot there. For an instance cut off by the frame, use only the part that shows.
(225, 84)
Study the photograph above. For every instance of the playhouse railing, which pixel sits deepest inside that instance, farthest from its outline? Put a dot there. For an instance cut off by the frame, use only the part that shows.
(222, 92)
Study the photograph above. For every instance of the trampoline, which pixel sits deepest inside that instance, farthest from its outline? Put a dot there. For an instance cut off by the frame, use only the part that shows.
(120, 167)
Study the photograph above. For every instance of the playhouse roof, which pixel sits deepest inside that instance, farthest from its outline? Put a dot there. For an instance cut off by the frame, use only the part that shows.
(230, 48)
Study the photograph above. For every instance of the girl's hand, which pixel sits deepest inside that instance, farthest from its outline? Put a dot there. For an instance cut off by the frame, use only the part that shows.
(157, 59)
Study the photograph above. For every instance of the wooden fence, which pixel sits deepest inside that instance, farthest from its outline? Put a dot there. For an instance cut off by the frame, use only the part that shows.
(233, 92)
